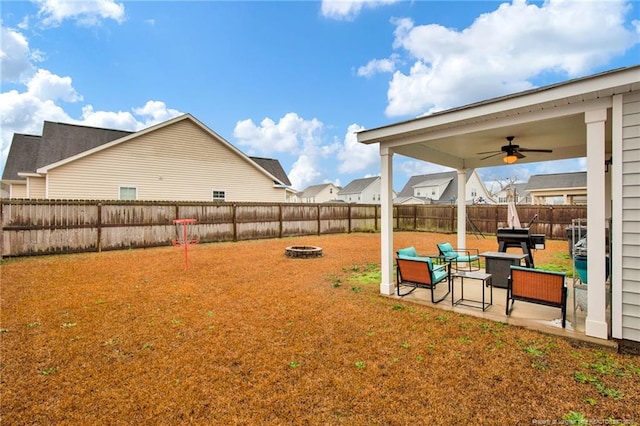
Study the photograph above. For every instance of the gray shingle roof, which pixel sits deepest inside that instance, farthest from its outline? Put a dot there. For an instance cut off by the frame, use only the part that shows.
(274, 167)
(356, 186)
(313, 190)
(23, 156)
(557, 180)
(60, 140)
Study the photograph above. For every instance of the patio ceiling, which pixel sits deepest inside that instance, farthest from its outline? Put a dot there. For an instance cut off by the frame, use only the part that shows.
(546, 118)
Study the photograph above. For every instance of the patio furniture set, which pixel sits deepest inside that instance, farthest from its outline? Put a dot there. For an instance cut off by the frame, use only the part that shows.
(501, 270)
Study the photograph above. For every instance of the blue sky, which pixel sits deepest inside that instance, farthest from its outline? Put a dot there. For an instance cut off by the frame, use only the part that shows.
(294, 80)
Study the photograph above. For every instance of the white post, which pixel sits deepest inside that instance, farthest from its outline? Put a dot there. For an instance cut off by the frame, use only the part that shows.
(596, 322)
(387, 284)
(615, 175)
(462, 209)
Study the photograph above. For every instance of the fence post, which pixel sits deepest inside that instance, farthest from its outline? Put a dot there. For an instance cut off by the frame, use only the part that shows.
(319, 221)
(235, 221)
(99, 224)
(280, 220)
(551, 221)
(375, 219)
(349, 227)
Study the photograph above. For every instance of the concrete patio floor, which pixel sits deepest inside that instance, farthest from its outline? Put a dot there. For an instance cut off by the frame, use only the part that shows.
(542, 318)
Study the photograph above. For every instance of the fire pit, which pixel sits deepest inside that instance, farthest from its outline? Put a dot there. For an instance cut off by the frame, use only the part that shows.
(303, 252)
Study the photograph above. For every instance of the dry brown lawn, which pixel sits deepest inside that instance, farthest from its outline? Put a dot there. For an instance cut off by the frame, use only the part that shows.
(248, 336)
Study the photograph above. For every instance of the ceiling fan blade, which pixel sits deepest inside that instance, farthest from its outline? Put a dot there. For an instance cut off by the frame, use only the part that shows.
(488, 152)
(535, 150)
(489, 156)
(518, 154)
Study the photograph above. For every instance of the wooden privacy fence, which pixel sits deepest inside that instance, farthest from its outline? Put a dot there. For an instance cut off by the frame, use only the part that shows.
(34, 227)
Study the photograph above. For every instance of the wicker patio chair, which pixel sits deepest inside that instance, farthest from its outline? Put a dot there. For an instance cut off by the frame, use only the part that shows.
(419, 272)
(537, 286)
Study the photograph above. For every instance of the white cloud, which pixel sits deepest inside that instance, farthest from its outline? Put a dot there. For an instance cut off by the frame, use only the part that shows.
(84, 12)
(355, 156)
(304, 172)
(292, 135)
(47, 86)
(502, 51)
(375, 66)
(348, 9)
(15, 56)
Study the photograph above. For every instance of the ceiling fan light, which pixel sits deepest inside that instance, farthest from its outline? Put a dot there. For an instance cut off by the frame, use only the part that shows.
(510, 159)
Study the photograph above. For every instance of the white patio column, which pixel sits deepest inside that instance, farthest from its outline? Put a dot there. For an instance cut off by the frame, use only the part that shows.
(462, 209)
(596, 322)
(387, 284)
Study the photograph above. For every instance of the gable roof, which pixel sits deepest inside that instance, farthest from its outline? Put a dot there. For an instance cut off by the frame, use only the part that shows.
(62, 143)
(23, 156)
(274, 167)
(356, 186)
(557, 180)
(448, 194)
(61, 140)
(314, 190)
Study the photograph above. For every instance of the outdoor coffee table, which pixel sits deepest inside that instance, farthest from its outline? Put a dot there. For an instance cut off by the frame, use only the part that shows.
(479, 276)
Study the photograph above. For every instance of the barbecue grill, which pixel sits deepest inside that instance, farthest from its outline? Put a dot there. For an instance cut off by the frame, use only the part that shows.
(521, 238)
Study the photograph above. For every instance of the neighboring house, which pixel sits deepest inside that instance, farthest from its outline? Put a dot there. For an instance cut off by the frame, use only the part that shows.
(559, 188)
(180, 159)
(522, 195)
(322, 193)
(442, 188)
(361, 191)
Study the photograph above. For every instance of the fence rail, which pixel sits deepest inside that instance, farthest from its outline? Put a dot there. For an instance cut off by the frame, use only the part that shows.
(34, 227)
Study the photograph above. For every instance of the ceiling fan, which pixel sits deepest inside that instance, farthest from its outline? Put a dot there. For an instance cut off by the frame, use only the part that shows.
(513, 152)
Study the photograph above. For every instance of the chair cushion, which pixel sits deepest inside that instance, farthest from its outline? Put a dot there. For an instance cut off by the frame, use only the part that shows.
(439, 275)
(471, 258)
(447, 250)
(408, 251)
(418, 258)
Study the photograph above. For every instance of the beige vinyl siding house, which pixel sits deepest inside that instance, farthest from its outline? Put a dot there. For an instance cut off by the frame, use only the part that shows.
(322, 193)
(628, 218)
(36, 187)
(180, 160)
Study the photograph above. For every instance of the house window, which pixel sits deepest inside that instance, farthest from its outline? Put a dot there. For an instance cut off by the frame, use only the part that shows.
(218, 196)
(433, 191)
(474, 192)
(330, 190)
(128, 193)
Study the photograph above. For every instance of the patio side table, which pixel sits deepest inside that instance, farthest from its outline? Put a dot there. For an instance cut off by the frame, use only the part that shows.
(485, 279)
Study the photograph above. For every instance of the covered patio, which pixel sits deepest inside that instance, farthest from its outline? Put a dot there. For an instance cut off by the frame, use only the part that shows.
(528, 315)
(575, 119)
